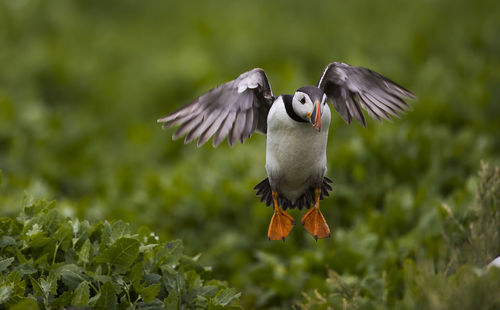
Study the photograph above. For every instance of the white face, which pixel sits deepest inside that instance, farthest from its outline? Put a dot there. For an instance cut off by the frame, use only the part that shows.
(304, 106)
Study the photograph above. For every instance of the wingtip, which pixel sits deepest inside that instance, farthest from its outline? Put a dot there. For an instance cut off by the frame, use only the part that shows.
(164, 119)
(215, 143)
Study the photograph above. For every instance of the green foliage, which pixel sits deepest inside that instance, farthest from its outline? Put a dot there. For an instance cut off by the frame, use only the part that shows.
(82, 83)
(457, 279)
(50, 261)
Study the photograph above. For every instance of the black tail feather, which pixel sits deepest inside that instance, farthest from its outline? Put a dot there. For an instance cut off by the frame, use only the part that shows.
(306, 200)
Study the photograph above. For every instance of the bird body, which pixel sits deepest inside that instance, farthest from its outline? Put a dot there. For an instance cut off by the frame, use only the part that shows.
(297, 131)
(290, 164)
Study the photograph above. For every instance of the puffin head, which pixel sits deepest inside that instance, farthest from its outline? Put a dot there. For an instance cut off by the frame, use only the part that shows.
(308, 103)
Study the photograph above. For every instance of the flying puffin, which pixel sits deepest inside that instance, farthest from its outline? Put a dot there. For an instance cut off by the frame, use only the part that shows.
(297, 131)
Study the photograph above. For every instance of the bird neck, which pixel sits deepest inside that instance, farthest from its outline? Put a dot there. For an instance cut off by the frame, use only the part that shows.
(287, 100)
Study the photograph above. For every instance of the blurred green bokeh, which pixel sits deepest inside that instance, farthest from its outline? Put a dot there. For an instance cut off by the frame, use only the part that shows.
(83, 82)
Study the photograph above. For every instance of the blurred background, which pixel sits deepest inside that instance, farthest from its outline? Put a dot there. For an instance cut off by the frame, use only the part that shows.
(83, 82)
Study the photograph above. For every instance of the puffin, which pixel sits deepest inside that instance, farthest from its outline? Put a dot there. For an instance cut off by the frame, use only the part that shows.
(296, 128)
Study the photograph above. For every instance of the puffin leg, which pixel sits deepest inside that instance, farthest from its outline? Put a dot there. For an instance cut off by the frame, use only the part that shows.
(313, 220)
(281, 222)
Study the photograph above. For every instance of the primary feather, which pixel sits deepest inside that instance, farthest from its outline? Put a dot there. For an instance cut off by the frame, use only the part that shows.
(351, 88)
(234, 110)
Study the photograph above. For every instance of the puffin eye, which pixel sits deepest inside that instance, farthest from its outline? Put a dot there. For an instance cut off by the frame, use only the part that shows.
(303, 100)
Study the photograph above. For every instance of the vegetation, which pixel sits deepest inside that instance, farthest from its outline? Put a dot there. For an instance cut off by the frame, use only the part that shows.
(82, 83)
(56, 262)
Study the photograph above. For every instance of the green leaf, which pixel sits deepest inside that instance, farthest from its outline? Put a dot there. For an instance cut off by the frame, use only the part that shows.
(64, 234)
(144, 231)
(38, 239)
(85, 252)
(172, 300)
(226, 296)
(169, 254)
(42, 260)
(119, 230)
(5, 293)
(106, 233)
(193, 280)
(36, 287)
(81, 295)
(155, 304)
(49, 285)
(107, 297)
(152, 278)
(6, 241)
(52, 220)
(20, 257)
(14, 278)
(83, 229)
(135, 275)
(34, 208)
(5, 263)
(173, 280)
(72, 275)
(149, 293)
(27, 268)
(121, 254)
(62, 300)
(147, 247)
(208, 290)
(25, 304)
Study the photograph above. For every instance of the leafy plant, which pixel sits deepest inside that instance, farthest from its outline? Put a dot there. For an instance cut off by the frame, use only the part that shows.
(458, 279)
(51, 261)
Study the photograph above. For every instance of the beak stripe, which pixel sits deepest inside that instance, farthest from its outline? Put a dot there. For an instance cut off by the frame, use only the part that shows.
(316, 116)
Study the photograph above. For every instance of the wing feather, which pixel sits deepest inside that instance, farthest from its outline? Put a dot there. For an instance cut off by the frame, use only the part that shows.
(379, 111)
(205, 136)
(388, 107)
(208, 120)
(187, 126)
(351, 88)
(239, 124)
(234, 110)
(224, 129)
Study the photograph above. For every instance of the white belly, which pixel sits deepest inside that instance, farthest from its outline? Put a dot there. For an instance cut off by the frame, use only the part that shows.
(295, 152)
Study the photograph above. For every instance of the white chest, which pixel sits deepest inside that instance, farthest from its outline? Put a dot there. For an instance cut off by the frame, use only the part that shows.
(295, 152)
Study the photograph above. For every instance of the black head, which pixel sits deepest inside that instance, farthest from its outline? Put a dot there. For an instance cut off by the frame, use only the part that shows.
(313, 92)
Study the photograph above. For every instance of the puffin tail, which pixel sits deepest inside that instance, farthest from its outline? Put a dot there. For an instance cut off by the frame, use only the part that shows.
(306, 200)
(264, 191)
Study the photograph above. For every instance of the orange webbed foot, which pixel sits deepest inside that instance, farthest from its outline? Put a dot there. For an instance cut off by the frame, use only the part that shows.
(280, 226)
(315, 223)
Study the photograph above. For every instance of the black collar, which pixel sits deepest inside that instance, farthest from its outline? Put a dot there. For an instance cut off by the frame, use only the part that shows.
(287, 99)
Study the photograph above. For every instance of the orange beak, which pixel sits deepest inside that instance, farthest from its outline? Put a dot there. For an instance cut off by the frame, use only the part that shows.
(316, 116)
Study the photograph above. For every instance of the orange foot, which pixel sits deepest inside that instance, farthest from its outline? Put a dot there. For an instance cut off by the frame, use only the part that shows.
(281, 222)
(281, 225)
(314, 222)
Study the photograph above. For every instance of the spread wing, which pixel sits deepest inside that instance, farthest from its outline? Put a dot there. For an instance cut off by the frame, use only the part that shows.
(234, 110)
(352, 88)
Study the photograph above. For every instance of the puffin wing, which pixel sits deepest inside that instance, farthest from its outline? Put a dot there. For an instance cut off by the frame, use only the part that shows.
(234, 110)
(352, 88)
